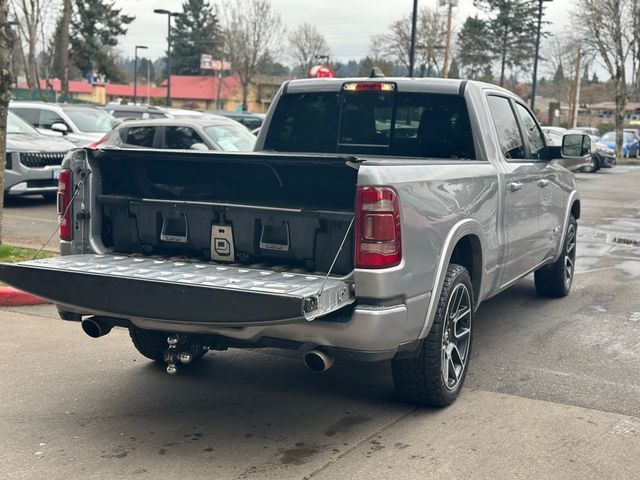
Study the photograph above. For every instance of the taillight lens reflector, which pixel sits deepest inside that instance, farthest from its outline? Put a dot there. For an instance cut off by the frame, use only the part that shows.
(65, 193)
(378, 236)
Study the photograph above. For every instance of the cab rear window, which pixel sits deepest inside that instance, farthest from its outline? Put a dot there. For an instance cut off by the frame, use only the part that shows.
(373, 122)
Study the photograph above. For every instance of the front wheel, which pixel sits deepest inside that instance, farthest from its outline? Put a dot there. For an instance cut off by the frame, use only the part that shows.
(556, 279)
(436, 375)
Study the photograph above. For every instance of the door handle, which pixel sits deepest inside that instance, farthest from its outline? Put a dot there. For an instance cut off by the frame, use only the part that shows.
(515, 186)
(542, 183)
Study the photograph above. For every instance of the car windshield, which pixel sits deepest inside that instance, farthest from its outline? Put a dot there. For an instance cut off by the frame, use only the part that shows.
(377, 121)
(16, 125)
(609, 137)
(629, 137)
(231, 138)
(90, 120)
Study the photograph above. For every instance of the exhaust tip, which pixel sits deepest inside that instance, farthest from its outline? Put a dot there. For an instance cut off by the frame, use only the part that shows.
(317, 361)
(95, 328)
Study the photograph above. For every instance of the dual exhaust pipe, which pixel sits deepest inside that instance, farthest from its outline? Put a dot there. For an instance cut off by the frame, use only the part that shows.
(96, 327)
(316, 360)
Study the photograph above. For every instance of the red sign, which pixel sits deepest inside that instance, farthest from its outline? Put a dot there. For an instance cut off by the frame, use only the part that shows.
(321, 71)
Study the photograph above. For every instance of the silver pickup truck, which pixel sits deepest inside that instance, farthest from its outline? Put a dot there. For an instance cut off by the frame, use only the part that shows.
(375, 217)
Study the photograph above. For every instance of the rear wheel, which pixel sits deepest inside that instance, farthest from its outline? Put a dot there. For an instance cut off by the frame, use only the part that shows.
(556, 279)
(436, 375)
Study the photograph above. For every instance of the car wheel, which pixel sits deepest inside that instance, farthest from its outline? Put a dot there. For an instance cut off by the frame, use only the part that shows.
(152, 344)
(556, 279)
(593, 168)
(434, 377)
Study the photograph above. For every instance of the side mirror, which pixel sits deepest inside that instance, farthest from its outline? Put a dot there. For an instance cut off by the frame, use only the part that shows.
(201, 147)
(576, 145)
(60, 127)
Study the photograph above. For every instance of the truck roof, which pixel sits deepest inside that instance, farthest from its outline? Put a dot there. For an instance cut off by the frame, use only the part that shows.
(404, 84)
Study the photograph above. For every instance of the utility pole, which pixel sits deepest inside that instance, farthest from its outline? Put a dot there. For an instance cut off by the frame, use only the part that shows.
(575, 93)
(135, 72)
(534, 82)
(169, 15)
(412, 48)
(7, 40)
(447, 48)
(64, 48)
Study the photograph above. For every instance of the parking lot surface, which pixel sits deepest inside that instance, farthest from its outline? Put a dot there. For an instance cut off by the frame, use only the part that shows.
(553, 390)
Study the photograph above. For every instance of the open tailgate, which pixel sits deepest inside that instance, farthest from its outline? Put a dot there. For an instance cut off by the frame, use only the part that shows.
(137, 287)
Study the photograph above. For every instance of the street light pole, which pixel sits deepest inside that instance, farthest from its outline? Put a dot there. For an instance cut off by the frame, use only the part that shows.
(169, 15)
(135, 73)
(412, 49)
(534, 82)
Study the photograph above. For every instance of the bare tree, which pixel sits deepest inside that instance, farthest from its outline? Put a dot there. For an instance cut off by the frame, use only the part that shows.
(306, 43)
(429, 40)
(559, 54)
(607, 27)
(252, 31)
(30, 15)
(6, 81)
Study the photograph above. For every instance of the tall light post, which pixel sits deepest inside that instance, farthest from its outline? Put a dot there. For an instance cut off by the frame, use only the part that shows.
(534, 82)
(169, 14)
(412, 48)
(135, 73)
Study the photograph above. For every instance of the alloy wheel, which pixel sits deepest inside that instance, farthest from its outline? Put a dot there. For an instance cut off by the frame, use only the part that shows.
(456, 336)
(570, 254)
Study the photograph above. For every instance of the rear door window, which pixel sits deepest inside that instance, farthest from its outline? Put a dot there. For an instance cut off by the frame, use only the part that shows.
(181, 138)
(506, 128)
(138, 136)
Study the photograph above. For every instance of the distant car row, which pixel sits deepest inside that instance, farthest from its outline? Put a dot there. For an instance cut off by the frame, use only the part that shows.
(39, 134)
(603, 153)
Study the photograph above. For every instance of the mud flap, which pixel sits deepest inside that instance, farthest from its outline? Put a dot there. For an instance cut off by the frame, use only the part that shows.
(133, 287)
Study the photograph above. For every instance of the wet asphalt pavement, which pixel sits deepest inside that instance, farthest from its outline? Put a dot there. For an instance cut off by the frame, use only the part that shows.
(553, 390)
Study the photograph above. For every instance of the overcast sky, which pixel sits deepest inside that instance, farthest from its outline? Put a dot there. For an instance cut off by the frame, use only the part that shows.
(347, 24)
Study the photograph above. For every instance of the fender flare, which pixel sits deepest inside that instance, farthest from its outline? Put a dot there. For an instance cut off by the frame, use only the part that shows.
(458, 231)
(573, 196)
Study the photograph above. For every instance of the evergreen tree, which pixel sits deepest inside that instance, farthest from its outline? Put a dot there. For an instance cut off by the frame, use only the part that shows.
(559, 77)
(512, 27)
(194, 33)
(474, 48)
(95, 28)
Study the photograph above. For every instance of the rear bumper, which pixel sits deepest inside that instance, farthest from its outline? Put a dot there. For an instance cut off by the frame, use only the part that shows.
(368, 331)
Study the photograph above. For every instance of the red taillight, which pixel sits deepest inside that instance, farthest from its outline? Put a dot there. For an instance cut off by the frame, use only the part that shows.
(378, 240)
(98, 142)
(65, 192)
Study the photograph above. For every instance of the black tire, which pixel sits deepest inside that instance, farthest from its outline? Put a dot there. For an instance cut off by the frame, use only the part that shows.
(70, 316)
(152, 344)
(421, 379)
(555, 280)
(595, 165)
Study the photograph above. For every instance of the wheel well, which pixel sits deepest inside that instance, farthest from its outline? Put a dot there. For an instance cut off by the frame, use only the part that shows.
(575, 209)
(468, 253)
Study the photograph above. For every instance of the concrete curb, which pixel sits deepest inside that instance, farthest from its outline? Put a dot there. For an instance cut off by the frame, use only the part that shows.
(12, 297)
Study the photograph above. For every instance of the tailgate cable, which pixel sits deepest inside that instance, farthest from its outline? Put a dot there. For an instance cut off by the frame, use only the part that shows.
(62, 217)
(335, 259)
